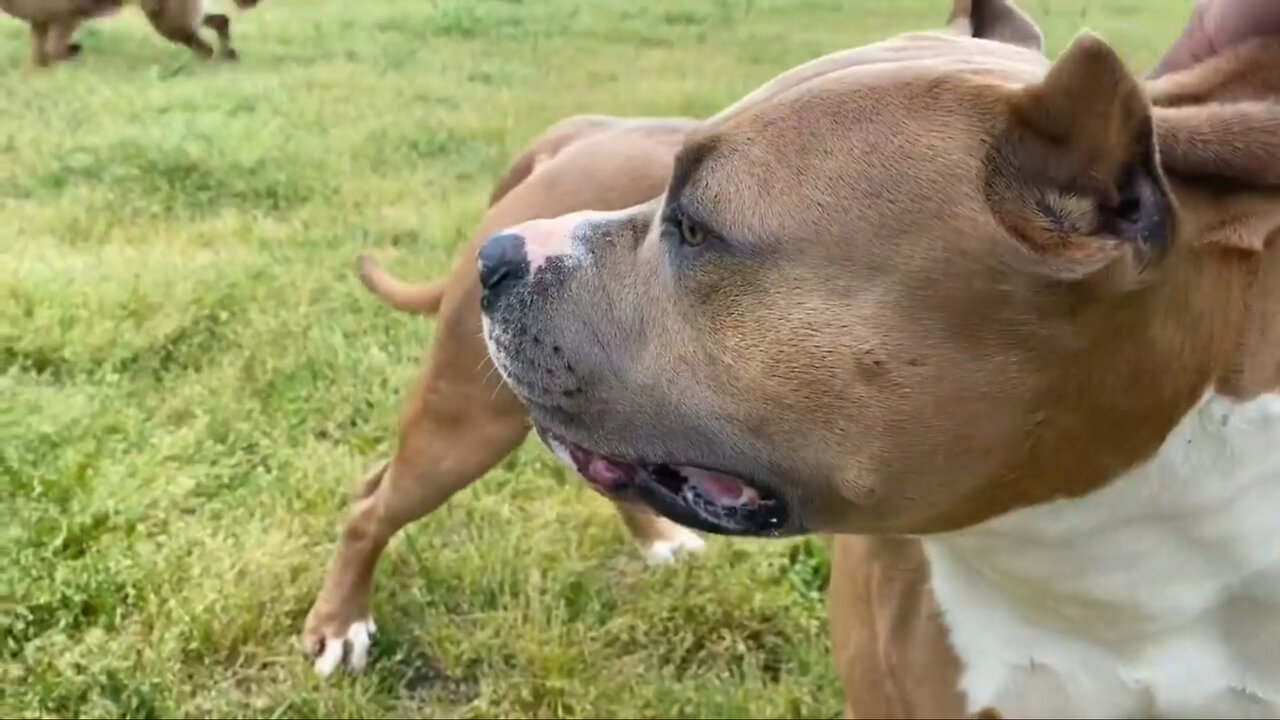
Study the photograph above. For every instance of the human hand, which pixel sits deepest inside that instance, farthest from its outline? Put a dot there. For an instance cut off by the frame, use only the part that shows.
(1217, 25)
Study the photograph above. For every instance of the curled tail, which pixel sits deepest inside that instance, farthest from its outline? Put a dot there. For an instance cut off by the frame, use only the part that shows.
(424, 299)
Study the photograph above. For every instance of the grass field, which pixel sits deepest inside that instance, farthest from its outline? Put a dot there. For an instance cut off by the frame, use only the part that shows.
(191, 377)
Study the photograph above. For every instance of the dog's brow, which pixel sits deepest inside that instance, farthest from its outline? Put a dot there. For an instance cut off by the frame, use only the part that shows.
(687, 162)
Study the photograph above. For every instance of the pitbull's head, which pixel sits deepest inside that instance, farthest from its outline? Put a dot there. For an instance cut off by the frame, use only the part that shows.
(900, 289)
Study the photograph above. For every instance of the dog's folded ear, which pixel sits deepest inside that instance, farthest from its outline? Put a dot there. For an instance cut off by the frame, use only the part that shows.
(1075, 173)
(1218, 129)
(998, 20)
(1233, 144)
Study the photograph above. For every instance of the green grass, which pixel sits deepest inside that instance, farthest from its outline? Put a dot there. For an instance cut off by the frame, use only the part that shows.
(191, 376)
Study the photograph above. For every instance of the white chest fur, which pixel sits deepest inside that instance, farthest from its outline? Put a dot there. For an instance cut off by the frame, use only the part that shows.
(1157, 596)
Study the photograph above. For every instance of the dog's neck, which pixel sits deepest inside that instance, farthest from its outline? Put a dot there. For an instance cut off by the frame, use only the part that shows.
(1156, 595)
(1218, 130)
(1241, 236)
(1148, 596)
(1255, 366)
(1259, 369)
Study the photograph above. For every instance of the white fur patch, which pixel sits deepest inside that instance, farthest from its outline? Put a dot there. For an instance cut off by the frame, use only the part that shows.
(1156, 596)
(354, 646)
(196, 13)
(663, 552)
(546, 238)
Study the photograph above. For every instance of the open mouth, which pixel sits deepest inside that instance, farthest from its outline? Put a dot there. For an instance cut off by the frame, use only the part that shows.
(697, 498)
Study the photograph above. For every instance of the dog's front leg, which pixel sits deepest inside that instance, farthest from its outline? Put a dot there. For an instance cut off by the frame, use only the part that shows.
(40, 43)
(60, 44)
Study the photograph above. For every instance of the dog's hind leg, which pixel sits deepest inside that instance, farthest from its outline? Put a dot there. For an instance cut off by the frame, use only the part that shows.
(659, 539)
(179, 22)
(40, 44)
(440, 453)
(459, 421)
(60, 44)
(449, 439)
(221, 25)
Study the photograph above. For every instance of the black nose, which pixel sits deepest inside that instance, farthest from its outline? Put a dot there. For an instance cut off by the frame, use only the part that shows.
(502, 264)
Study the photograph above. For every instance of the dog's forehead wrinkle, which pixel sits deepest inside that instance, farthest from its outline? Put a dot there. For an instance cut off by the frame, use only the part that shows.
(781, 150)
(933, 48)
(695, 151)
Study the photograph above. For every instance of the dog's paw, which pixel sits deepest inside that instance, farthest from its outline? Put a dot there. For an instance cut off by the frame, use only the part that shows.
(682, 540)
(330, 647)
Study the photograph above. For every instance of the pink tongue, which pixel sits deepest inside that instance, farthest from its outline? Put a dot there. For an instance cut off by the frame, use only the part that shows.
(605, 472)
(723, 488)
(600, 472)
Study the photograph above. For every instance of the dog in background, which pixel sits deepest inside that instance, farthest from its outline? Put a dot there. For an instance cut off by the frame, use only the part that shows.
(54, 23)
(459, 419)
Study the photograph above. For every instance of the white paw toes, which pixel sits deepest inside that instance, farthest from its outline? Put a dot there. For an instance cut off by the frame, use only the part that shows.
(353, 647)
(662, 552)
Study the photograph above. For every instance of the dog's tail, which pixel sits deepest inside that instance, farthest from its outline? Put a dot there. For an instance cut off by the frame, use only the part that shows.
(423, 299)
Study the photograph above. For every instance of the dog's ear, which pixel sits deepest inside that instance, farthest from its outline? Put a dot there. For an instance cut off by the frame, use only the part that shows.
(1230, 154)
(999, 20)
(1234, 145)
(1075, 173)
(1218, 128)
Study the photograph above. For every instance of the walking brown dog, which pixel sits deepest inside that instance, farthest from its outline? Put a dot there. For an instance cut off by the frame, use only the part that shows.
(54, 23)
(459, 419)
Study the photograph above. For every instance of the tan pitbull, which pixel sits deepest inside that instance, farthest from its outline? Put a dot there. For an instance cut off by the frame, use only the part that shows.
(459, 419)
(54, 23)
(1009, 329)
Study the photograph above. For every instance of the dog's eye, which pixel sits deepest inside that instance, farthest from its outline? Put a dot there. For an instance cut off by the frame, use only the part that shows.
(690, 234)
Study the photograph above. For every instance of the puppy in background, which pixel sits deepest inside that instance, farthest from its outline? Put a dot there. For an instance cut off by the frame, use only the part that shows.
(54, 23)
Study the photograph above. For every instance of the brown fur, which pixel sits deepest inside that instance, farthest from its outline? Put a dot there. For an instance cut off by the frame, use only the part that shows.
(53, 24)
(1044, 251)
(422, 299)
(883, 622)
(459, 419)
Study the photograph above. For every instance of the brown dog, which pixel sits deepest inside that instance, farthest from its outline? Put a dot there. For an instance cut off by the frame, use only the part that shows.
(54, 24)
(1010, 329)
(459, 419)
(583, 163)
